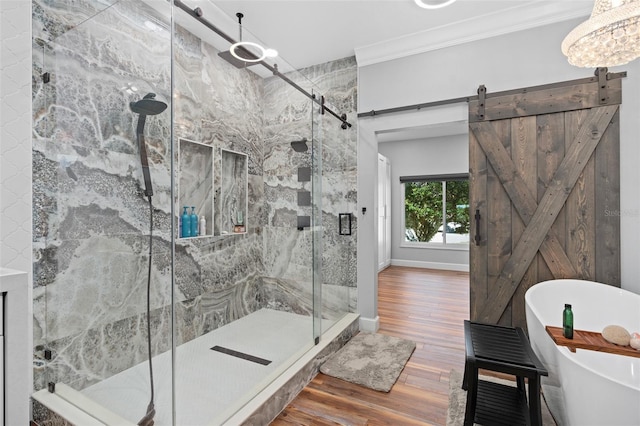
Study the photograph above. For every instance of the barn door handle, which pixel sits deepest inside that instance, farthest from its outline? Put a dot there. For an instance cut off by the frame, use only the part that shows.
(477, 218)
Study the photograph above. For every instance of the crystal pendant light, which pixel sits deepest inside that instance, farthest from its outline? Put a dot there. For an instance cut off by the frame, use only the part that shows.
(610, 37)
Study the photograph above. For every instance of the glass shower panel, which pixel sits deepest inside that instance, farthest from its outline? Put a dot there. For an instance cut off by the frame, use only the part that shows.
(139, 112)
(243, 293)
(41, 101)
(102, 247)
(339, 218)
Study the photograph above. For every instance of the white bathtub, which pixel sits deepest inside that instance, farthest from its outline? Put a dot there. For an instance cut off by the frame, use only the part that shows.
(586, 387)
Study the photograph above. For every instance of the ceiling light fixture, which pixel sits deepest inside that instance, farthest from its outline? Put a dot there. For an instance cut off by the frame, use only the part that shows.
(433, 4)
(249, 51)
(610, 37)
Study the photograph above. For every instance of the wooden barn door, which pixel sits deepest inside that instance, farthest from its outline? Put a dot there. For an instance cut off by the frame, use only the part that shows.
(544, 191)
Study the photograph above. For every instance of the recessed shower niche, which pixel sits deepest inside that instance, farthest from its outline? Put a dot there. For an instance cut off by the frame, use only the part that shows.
(233, 192)
(195, 189)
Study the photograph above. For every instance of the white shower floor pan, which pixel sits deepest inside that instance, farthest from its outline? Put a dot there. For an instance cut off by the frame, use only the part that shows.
(210, 386)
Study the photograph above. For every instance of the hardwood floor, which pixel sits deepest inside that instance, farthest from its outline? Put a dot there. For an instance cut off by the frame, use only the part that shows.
(423, 305)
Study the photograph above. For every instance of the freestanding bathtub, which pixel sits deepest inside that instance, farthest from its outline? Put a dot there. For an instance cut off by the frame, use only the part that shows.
(586, 387)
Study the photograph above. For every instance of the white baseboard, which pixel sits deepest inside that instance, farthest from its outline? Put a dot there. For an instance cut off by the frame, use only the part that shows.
(385, 266)
(369, 325)
(430, 265)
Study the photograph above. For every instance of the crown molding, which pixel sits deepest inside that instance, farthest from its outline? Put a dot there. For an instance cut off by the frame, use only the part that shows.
(517, 18)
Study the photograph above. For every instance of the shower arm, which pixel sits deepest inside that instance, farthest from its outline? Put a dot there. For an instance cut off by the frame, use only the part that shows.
(197, 14)
(144, 160)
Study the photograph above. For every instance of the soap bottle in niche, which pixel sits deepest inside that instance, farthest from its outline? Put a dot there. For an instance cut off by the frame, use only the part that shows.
(240, 224)
(567, 322)
(203, 226)
(194, 222)
(186, 223)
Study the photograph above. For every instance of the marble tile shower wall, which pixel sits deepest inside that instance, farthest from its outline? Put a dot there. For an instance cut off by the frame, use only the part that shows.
(90, 214)
(221, 106)
(288, 251)
(91, 226)
(337, 81)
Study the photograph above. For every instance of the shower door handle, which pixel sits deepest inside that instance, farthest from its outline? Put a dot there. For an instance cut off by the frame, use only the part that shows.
(477, 238)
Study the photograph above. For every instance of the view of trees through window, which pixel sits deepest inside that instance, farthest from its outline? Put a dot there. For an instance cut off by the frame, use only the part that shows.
(437, 211)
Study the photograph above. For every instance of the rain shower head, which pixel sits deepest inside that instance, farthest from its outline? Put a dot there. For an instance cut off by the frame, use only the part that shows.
(300, 146)
(227, 56)
(148, 105)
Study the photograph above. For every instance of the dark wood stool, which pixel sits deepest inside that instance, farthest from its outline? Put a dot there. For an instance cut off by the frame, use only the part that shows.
(505, 350)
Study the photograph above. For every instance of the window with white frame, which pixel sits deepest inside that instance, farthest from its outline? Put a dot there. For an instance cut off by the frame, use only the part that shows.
(436, 209)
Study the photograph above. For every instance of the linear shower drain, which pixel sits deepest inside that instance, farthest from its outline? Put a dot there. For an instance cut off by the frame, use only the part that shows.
(241, 355)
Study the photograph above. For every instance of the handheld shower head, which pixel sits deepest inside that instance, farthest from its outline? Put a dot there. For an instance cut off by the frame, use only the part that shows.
(148, 105)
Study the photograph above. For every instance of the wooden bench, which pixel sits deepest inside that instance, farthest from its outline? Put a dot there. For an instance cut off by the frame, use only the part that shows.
(505, 350)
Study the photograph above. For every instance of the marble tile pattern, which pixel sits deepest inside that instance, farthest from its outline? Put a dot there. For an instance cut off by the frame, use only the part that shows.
(288, 251)
(233, 191)
(195, 172)
(43, 416)
(54, 18)
(220, 106)
(91, 218)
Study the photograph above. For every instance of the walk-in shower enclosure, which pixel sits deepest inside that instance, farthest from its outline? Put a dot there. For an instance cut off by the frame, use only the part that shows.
(265, 272)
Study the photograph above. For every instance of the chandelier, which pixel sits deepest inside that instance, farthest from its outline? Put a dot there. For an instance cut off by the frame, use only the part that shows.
(610, 37)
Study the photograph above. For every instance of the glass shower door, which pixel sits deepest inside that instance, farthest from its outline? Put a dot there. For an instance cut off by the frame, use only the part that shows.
(243, 290)
(336, 200)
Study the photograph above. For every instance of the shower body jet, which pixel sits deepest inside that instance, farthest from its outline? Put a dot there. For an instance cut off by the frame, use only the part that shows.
(300, 146)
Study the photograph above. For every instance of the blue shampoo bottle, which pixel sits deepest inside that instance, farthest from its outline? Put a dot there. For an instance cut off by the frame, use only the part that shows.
(194, 222)
(186, 223)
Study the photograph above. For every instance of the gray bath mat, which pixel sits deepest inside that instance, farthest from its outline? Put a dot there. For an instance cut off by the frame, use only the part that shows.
(371, 360)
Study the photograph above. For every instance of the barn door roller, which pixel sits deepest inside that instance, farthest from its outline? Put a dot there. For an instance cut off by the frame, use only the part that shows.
(482, 94)
(602, 75)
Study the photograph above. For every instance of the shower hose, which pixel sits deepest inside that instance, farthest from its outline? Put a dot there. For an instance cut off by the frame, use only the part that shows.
(147, 420)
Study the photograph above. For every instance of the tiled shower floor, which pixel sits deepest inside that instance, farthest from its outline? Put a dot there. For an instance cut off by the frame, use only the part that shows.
(210, 386)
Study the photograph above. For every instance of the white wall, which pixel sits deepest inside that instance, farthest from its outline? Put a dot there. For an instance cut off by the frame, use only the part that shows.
(15, 204)
(367, 236)
(368, 198)
(15, 135)
(515, 60)
(506, 62)
(438, 155)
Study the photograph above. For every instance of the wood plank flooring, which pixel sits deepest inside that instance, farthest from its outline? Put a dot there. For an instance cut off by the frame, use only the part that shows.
(423, 305)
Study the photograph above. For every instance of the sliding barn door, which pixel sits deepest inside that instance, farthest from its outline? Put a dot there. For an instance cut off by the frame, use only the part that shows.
(544, 192)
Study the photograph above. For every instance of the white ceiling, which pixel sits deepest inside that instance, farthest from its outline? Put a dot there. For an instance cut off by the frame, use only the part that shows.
(309, 32)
